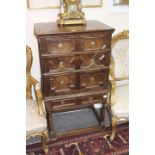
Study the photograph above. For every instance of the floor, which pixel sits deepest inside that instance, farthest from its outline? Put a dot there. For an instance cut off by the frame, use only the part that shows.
(73, 120)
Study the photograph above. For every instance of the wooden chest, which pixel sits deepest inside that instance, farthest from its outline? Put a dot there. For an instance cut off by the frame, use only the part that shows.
(74, 63)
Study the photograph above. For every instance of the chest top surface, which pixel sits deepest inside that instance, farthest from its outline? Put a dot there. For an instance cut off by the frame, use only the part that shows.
(45, 29)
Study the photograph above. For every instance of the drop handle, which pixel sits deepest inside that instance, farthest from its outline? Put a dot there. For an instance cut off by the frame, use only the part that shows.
(60, 46)
(93, 44)
(62, 84)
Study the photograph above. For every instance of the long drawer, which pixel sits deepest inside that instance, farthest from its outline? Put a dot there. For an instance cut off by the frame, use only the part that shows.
(72, 103)
(76, 43)
(81, 100)
(74, 82)
(70, 63)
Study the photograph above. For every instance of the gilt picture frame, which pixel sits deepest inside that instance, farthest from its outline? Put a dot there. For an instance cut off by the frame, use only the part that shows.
(120, 2)
(55, 4)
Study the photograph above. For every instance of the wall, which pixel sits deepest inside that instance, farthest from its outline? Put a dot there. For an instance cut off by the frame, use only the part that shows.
(116, 17)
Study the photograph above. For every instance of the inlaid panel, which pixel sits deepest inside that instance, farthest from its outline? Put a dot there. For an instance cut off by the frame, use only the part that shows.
(60, 45)
(94, 43)
(60, 84)
(58, 64)
(102, 58)
(94, 80)
(97, 60)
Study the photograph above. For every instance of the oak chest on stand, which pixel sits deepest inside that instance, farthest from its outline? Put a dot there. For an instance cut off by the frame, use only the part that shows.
(74, 62)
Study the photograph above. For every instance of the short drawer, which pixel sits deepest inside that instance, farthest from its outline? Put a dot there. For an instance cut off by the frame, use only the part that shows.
(94, 43)
(60, 45)
(59, 84)
(94, 80)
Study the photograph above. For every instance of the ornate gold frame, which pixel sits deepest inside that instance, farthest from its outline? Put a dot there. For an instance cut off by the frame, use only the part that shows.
(122, 2)
(122, 35)
(30, 81)
(58, 7)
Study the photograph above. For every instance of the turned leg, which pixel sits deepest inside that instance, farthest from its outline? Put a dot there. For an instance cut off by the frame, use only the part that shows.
(49, 107)
(107, 106)
(113, 119)
(96, 114)
(113, 126)
(50, 124)
(102, 111)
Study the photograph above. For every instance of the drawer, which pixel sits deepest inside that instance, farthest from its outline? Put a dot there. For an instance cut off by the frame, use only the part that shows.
(59, 84)
(60, 45)
(97, 60)
(65, 103)
(94, 80)
(87, 100)
(94, 43)
(58, 64)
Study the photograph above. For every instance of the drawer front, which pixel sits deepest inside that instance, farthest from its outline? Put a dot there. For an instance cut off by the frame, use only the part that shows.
(97, 60)
(75, 83)
(95, 43)
(60, 45)
(59, 84)
(94, 80)
(58, 64)
(77, 101)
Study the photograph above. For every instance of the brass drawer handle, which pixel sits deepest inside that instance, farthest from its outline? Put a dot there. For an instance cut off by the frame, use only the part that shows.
(62, 84)
(60, 46)
(93, 44)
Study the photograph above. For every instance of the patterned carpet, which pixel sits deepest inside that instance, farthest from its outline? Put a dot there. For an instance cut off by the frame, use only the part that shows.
(95, 143)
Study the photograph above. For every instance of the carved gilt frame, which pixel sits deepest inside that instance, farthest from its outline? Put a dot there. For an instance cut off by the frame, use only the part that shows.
(30, 81)
(120, 2)
(57, 6)
(122, 35)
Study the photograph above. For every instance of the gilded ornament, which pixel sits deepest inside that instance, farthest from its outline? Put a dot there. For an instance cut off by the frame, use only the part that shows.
(71, 13)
